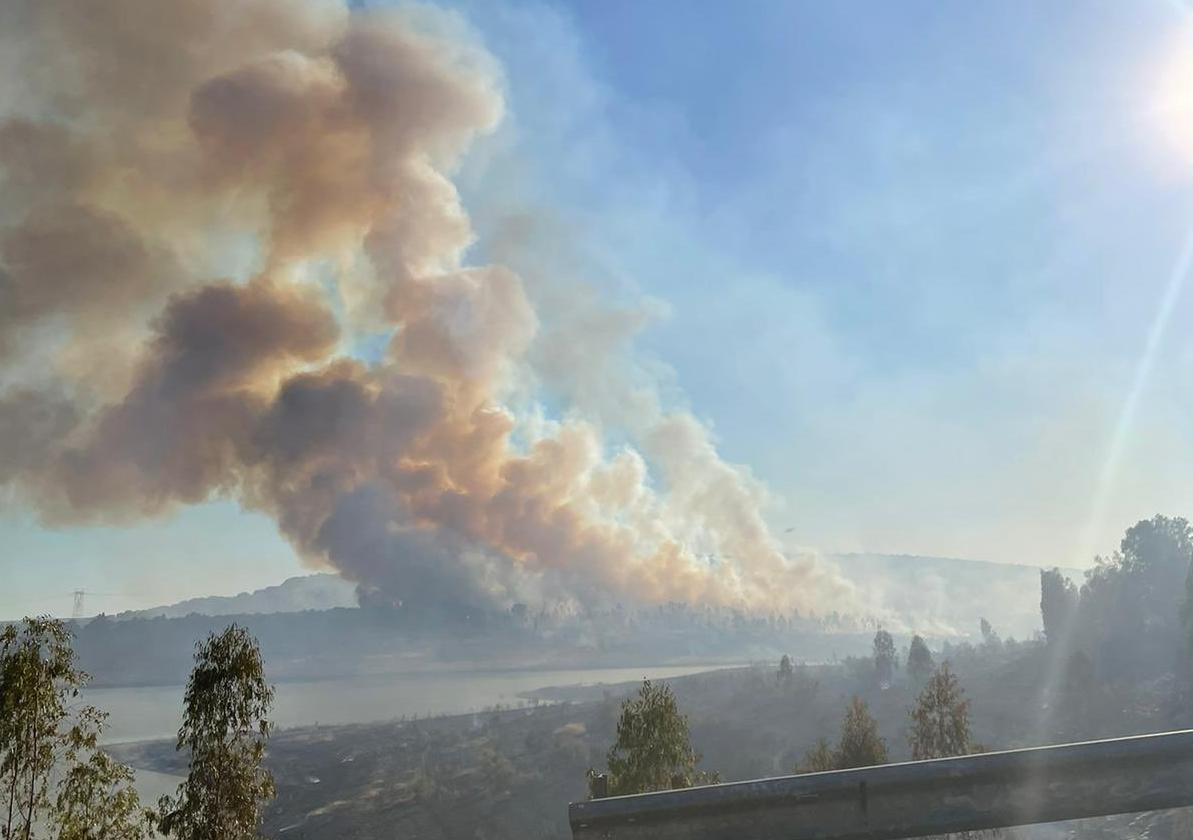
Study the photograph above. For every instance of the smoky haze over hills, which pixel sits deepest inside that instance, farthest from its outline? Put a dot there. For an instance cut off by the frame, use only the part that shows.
(945, 596)
(1112, 662)
(936, 596)
(312, 626)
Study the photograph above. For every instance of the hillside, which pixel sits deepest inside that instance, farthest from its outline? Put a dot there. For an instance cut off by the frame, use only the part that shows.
(296, 594)
(514, 771)
(944, 596)
(937, 596)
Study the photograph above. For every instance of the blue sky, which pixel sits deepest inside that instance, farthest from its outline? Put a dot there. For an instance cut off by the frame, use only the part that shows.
(906, 258)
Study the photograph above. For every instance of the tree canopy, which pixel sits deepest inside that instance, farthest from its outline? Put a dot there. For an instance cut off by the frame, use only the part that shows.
(884, 656)
(940, 719)
(1130, 605)
(860, 744)
(1058, 604)
(653, 750)
(54, 779)
(96, 798)
(786, 671)
(820, 758)
(224, 728)
(919, 660)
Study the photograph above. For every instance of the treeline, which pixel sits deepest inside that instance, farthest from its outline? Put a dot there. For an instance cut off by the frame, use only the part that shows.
(57, 784)
(144, 651)
(1132, 617)
(1115, 655)
(653, 749)
(336, 642)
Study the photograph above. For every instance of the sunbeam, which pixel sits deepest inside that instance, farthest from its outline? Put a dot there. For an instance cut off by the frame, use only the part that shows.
(1126, 418)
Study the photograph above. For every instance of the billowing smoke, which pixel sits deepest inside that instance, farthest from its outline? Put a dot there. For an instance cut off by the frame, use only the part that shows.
(212, 215)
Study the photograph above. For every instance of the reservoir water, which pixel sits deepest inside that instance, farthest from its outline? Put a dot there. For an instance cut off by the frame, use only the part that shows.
(152, 712)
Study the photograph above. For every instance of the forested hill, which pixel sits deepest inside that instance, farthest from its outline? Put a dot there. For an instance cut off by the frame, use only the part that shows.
(938, 596)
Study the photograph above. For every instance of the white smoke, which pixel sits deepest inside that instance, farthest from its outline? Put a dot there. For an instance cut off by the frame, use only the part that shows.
(234, 190)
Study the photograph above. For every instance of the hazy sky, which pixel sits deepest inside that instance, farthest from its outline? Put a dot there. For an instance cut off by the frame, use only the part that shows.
(907, 259)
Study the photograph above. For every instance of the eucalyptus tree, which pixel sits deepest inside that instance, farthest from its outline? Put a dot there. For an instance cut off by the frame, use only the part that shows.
(224, 730)
(55, 781)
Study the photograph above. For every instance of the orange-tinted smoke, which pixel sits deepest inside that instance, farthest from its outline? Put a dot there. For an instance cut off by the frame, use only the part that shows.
(202, 211)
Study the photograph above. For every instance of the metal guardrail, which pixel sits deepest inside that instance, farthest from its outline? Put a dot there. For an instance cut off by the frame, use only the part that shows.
(914, 799)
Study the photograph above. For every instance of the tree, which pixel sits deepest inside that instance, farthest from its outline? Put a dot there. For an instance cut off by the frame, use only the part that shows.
(785, 670)
(884, 656)
(1131, 604)
(989, 637)
(940, 719)
(44, 735)
(497, 770)
(919, 660)
(940, 728)
(860, 745)
(1080, 697)
(819, 759)
(38, 677)
(96, 799)
(1161, 549)
(653, 750)
(224, 728)
(1058, 604)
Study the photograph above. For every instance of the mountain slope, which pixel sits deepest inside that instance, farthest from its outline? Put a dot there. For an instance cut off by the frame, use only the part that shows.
(308, 592)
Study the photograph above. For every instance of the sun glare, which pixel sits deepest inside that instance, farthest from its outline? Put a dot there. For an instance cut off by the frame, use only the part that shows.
(1170, 107)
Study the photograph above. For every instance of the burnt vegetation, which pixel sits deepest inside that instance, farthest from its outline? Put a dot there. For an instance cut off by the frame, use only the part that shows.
(787, 716)
(1113, 660)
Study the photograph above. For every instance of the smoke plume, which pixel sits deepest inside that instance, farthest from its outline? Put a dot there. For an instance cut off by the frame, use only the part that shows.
(207, 209)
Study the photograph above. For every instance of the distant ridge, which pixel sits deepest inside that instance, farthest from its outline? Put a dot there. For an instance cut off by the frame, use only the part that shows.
(307, 592)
